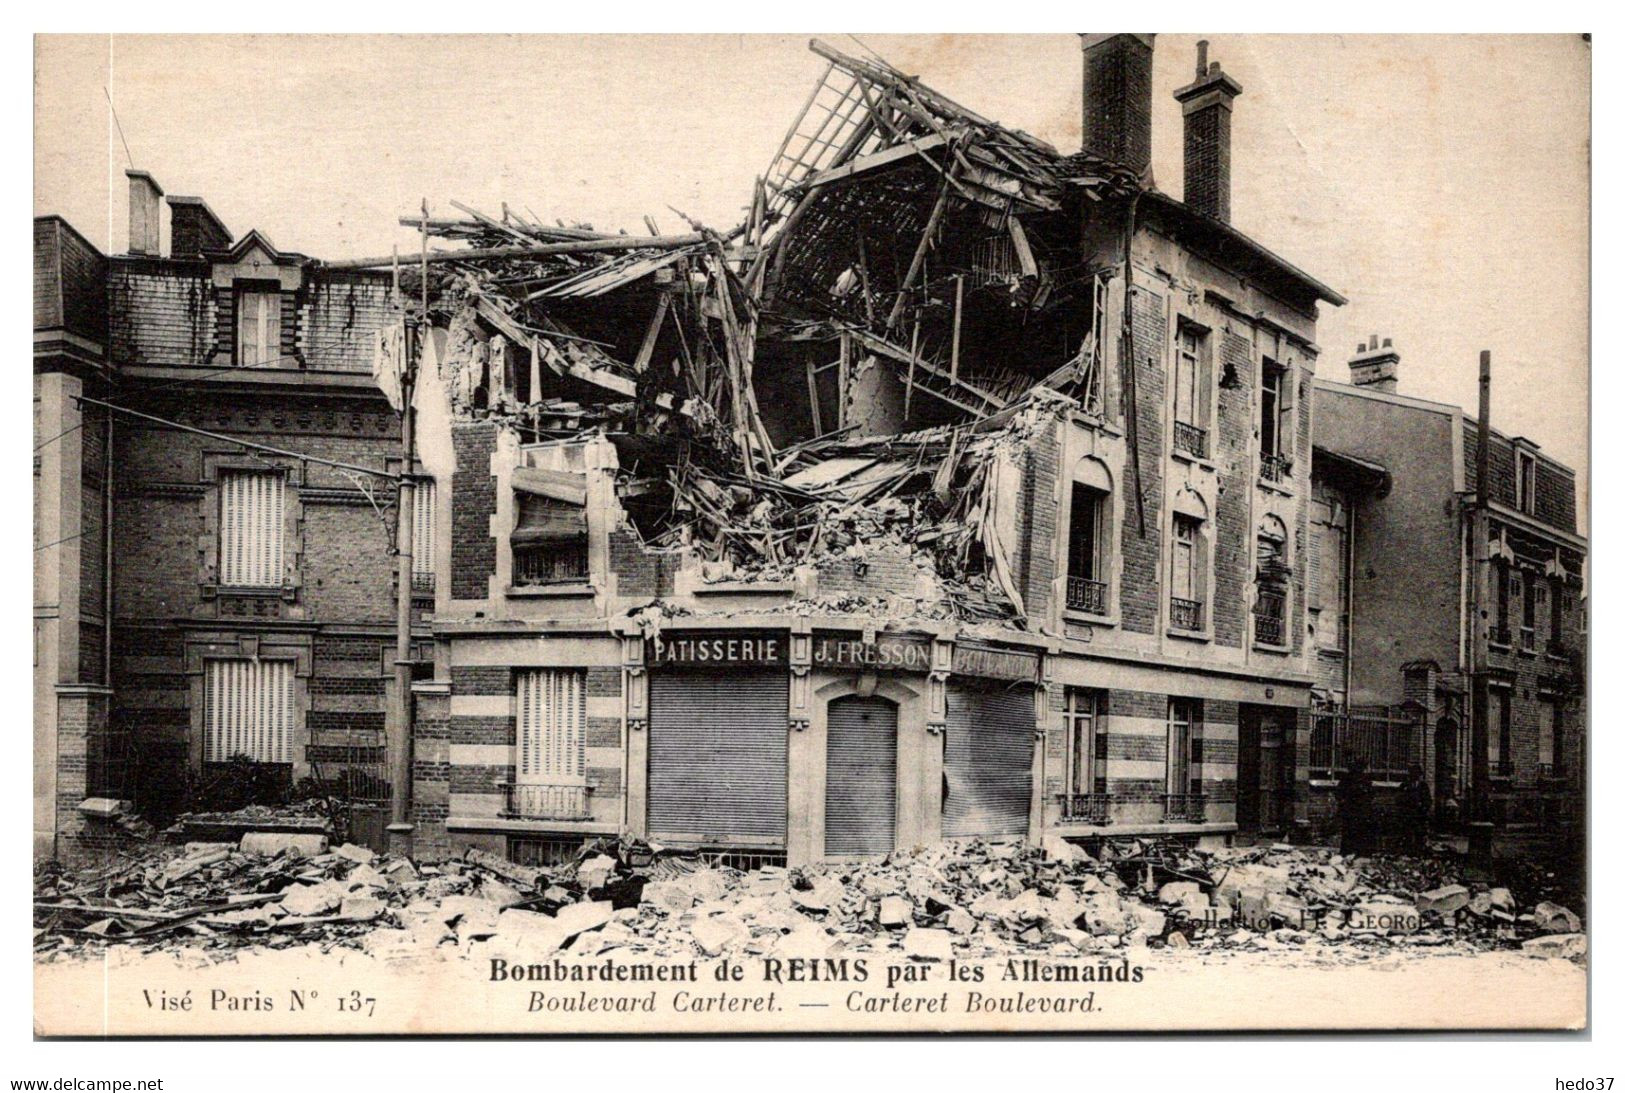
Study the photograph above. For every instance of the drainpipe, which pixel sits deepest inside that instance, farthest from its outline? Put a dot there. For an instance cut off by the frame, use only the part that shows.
(1478, 704)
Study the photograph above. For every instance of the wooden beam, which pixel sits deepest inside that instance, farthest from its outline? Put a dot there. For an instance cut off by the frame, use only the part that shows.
(875, 161)
(652, 335)
(959, 307)
(579, 246)
(919, 252)
(812, 398)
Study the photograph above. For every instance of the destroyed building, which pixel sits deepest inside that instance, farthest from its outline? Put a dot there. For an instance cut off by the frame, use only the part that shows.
(1449, 634)
(963, 490)
(206, 418)
(968, 488)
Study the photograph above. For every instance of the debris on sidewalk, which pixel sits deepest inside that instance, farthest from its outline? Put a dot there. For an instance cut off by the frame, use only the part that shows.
(973, 900)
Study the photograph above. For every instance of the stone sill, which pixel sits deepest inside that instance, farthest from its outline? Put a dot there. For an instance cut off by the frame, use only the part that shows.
(1190, 635)
(1195, 460)
(1282, 488)
(1062, 827)
(544, 591)
(1266, 647)
(1074, 615)
(531, 827)
(735, 588)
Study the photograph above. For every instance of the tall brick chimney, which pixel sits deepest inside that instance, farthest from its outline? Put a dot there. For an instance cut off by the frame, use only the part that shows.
(193, 228)
(1208, 102)
(1117, 97)
(144, 195)
(1375, 366)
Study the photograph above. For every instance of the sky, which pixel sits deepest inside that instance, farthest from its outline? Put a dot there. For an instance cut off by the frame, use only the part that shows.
(1441, 183)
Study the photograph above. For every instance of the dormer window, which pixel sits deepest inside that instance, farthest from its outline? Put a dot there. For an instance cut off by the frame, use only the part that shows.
(1526, 482)
(259, 326)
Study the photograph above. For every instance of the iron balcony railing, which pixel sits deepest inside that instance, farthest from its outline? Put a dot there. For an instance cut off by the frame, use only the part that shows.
(1274, 468)
(1189, 808)
(1501, 635)
(1086, 808)
(1269, 619)
(1083, 594)
(1190, 439)
(558, 562)
(1185, 614)
(544, 801)
(423, 584)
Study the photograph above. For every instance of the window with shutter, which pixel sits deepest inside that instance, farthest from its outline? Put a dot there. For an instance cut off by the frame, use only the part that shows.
(248, 710)
(423, 534)
(551, 768)
(251, 506)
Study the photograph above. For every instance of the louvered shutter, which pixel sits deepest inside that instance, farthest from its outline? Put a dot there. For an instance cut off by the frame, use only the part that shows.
(552, 721)
(423, 529)
(988, 762)
(248, 710)
(860, 783)
(251, 514)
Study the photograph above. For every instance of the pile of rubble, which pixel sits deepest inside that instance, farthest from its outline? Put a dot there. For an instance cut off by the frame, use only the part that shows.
(968, 901)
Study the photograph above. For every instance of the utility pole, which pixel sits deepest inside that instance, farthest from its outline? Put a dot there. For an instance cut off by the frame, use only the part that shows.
(400, 743)
(1480, 588)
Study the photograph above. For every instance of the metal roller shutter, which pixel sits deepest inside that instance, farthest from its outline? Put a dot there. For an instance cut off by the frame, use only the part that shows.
(860, 789)
(989, 762)
(717, 761)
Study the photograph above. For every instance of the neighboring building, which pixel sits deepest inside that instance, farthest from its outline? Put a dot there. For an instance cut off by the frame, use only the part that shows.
(1448, 635)
(251, 593)
(598, 672)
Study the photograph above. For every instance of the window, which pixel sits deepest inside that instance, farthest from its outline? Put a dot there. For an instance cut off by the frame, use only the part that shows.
(1526, 635)
(550, 542)
(1190, 392)
(1085, 566)
(1269, 605)
(423, 533)
(1085, 717)
(1187, 582)
(1526, 482)
(550, 775)
(259, 328)
(1501, 631)
(1555, 597)
(251, 529)
(1548, 736)
(1184, 759)
(1275, 422)
(248, 710)
(1500, 727)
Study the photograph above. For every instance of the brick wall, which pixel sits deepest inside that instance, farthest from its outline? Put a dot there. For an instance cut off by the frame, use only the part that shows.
(340, 313)
(1554, 486)
(69, 281)
(473, 503)
(1037, 514)
(1142, 553)
(431, 777)
(1233, 525)
(640, 572)
(1207, 161)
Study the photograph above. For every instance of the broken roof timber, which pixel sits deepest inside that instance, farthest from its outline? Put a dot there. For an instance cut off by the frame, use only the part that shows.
(875, 161)
(538, 250)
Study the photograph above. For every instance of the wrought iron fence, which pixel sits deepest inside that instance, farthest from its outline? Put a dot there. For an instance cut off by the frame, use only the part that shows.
(1379, 737)
(1083, 594)
(1085, 808)
(1190, 439)
(1274, 468)
(560, 562)
(1185, 614)
(1269, 618)
(524, 801)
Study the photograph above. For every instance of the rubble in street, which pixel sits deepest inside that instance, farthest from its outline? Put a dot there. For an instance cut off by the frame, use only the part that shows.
(968, 901)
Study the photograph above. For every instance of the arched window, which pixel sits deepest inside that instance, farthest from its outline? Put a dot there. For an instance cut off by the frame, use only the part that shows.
(1272, 577)
(1088, 555)
(1187, 569)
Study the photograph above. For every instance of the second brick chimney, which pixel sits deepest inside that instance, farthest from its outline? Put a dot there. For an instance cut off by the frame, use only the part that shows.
(144, 195)
(1117, 98)
(1375, 365)
(1208, 103)
(193, 228)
